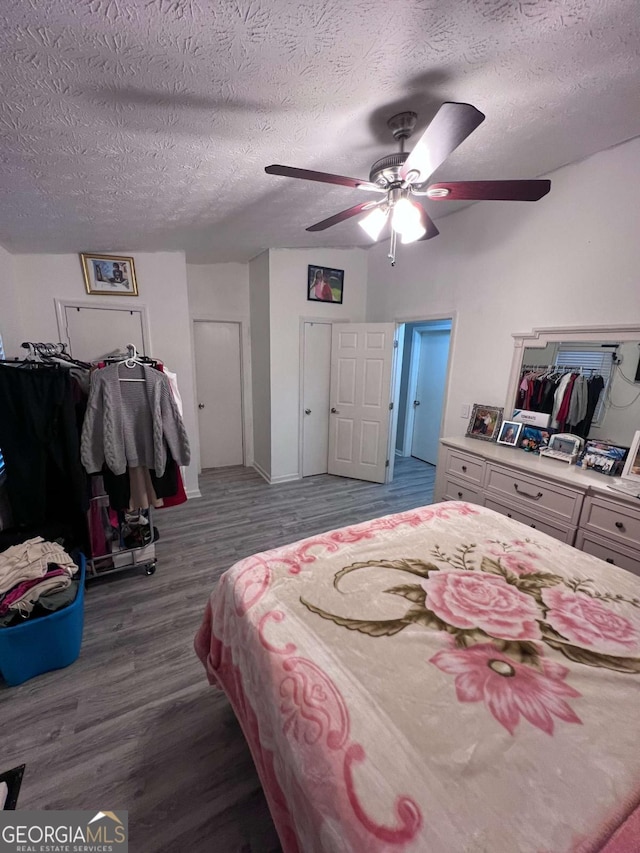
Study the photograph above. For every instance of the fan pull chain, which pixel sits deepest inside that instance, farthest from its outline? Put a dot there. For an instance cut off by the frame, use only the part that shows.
(392, 248)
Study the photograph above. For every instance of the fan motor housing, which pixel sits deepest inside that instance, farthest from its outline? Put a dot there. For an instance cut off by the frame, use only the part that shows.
(386, 170)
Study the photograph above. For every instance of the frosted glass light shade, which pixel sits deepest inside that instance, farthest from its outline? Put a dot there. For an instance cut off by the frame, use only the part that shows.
(373, 222)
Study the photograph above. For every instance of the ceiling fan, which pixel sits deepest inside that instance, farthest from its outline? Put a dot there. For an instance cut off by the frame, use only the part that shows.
(402, 175)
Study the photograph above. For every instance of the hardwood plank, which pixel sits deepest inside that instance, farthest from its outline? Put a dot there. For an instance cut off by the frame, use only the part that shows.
(133, 724)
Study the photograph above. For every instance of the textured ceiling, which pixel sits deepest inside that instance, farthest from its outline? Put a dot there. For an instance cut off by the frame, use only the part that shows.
(145, 124)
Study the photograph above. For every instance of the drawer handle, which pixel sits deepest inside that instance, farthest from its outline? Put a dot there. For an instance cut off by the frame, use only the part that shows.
(619, 525)
(459, 494)
(527, 494)
(464, 469)
(609, 560)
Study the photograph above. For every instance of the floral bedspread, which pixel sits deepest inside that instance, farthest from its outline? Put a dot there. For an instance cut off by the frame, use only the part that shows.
(444, 679)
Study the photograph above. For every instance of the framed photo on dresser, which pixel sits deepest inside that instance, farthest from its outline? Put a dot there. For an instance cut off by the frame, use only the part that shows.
(632, 465)
(510, 433)
(484, 422)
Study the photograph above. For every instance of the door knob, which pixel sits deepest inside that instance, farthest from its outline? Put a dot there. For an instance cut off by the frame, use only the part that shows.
(416, 402)
(307, 411)
(334, 411)
(201, 405)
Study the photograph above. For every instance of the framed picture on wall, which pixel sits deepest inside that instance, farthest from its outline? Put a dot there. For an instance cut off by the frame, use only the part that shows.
(106, 274)
(484, 422)
(324, 284)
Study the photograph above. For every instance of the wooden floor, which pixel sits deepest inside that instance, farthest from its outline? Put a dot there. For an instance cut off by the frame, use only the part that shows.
(133, 724)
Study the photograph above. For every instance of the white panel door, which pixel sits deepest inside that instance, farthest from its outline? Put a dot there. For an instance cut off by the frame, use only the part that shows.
(219, 393)
(429, 397)
(94, 332)
(316, 382)
(361, 365)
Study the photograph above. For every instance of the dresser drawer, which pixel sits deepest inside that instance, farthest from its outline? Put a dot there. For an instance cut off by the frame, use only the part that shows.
(564, 534)
(617, 555)
(454, 490)
(465, 467)
(612, 519)
(542, 496)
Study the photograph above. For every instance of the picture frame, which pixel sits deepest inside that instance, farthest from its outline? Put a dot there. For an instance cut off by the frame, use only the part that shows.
(603, 457)
(484, 422)
(532, 438)
(510, 433)
(631, 469)
(325, 284)
(105, 275)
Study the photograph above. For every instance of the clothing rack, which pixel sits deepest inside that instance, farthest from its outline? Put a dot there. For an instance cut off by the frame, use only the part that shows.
(142, 555)
(45, 349)
(565, 368)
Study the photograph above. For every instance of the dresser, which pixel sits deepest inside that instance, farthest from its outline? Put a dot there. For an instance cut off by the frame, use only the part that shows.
(562, 500)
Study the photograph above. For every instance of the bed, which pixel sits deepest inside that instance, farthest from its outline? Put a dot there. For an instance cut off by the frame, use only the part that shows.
(444, 679)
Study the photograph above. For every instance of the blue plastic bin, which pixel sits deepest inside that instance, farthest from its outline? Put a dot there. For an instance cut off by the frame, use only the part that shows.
(49, 642)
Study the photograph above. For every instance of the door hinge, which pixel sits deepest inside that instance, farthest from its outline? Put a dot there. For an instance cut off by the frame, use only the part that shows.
(395, 344)
(390, 407)
(386, 464)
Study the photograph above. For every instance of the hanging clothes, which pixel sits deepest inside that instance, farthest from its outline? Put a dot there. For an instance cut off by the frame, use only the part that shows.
(594, 390)
(131, 423)
(46, 484)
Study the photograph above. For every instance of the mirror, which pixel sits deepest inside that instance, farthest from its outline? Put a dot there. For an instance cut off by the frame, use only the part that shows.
(607, 362)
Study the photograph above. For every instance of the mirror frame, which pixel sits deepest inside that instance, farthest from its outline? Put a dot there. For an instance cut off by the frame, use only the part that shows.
(539, 338)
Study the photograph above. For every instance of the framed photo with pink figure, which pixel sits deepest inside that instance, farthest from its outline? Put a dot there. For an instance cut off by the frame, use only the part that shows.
(325, 284)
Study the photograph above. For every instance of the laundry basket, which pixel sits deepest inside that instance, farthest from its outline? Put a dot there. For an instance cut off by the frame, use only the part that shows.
(48, 642)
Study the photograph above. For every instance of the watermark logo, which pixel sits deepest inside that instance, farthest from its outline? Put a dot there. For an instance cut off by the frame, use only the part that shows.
(64, 832)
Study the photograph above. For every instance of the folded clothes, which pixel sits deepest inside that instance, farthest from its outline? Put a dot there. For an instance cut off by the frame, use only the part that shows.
(44, 606)
(22, 597)
(29, 560)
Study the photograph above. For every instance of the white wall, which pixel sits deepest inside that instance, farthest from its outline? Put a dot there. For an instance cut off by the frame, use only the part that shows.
(570, 259)
(260, 362)
(162, 285)
(288, 298)
(10, 322)
(221, 292)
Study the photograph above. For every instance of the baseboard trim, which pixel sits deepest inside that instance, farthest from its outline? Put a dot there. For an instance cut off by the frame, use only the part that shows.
(257, 467)
(193, 493)
(284, 478)
(399, 452)
(274, 481)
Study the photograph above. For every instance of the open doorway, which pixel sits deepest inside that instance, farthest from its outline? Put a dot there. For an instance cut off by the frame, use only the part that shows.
(423, 385)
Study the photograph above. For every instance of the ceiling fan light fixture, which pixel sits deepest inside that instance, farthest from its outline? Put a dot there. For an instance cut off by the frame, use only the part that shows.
(406, 216)
(414, 232)
(374, 222)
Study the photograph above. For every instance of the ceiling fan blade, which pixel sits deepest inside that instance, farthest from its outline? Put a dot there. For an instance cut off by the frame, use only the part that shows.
(489, 190)
(450, 126)
(344, 214)
(322, 177)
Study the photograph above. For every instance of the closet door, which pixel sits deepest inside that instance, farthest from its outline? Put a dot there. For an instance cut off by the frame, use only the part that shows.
(94, 332)
(316, 384)
(360, 400)
(219, 393)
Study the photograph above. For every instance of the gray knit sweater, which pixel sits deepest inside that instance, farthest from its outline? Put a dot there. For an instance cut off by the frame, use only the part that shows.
(131, 423)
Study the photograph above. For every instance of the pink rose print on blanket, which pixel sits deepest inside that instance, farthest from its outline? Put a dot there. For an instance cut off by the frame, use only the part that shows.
(510, 689)
(588, 622)
(521, 559)
(472, 600)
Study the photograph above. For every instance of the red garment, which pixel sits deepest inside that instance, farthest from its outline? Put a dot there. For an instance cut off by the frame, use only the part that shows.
(563, 411)
(180, 496)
